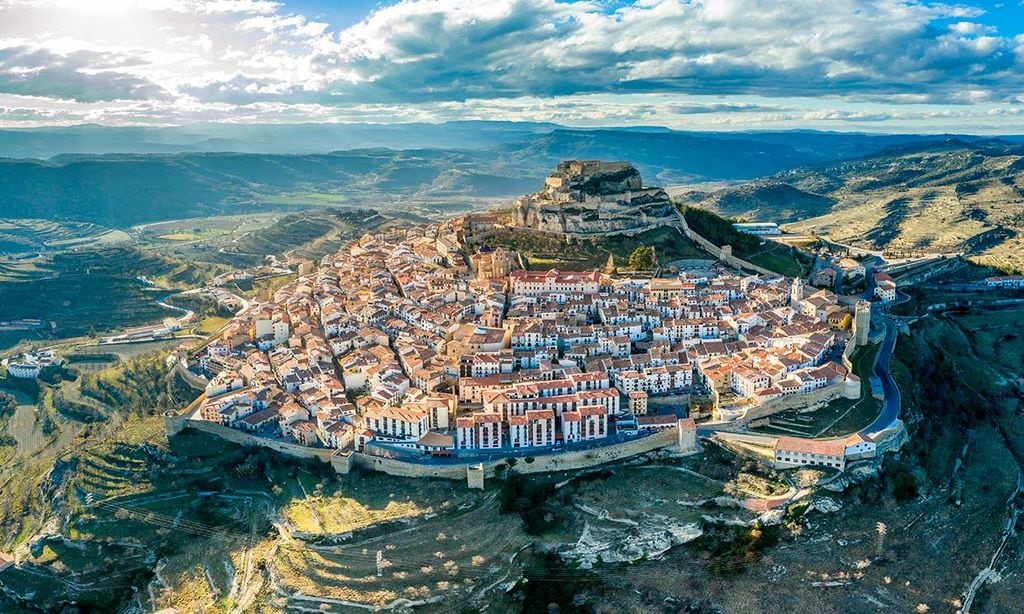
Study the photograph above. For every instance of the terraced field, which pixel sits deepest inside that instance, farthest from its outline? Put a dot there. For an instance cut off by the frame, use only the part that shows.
(118, 471)
(19, 236)
(450, 555)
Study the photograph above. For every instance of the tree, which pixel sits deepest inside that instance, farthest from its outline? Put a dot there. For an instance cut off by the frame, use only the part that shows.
(8, 404)
(642, 258)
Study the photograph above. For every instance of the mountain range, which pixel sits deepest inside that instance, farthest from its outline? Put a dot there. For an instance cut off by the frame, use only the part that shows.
(166, 173)
(311, 138)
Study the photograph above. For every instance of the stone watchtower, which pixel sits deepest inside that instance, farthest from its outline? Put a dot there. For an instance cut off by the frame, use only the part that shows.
(475, 476)
(861, 322)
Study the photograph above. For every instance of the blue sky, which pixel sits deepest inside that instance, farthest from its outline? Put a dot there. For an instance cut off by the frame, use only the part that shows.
(339, 13)
(866, 65)
(1007, 15)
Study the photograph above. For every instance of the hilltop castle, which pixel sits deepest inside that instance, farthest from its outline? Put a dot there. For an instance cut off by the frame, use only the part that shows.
(590, 197)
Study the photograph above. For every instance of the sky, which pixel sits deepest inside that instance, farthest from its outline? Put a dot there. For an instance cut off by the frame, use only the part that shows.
(854, 65)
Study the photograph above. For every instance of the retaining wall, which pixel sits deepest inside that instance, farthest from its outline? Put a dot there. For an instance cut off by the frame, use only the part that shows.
(246, 439)
(891, 438)
(563, 461)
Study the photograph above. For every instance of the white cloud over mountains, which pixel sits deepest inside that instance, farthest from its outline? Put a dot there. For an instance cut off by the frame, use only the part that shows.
(586, 61)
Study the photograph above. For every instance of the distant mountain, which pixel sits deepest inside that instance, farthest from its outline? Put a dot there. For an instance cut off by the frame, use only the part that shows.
(261, 138)
(951, 196)
(467, 164)
(324, 138)
(663, 158)
(123, 190)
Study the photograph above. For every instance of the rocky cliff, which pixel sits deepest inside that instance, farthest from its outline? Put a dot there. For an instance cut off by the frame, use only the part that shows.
(589, 197)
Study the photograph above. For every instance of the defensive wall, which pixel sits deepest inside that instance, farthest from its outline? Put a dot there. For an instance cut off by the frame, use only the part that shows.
(724, 253)
(805, 402)
(189, 377)
(562, 461)
(343, 462)
(176, 424)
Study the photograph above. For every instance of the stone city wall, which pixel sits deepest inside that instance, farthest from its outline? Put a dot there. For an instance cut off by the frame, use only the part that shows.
(850, 348)
(563, 461)
(725, 255)
(190, 378)
(247, 439)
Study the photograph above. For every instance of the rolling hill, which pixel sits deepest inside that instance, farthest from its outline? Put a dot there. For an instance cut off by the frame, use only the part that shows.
(123, 189)
(952, 196)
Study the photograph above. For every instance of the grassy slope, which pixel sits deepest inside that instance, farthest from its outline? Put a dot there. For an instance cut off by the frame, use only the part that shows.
(96, 290)
(545, 251)
(765, 253)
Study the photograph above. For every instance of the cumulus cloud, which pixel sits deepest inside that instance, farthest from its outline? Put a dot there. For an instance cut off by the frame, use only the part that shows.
(458, 49)
(80, 75)
(557, 57)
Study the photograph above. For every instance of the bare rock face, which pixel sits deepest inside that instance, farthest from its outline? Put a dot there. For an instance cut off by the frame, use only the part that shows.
(591, 198)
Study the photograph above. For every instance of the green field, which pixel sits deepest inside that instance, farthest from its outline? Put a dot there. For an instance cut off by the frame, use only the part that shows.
(781, 259)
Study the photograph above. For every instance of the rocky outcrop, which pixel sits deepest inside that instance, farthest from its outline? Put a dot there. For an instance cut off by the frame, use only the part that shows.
(627, 542)
(593, 198)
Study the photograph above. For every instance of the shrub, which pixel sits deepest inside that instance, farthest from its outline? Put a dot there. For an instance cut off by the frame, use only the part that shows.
(904, 486)
(530, 497)
(642, 258)
(719, 230)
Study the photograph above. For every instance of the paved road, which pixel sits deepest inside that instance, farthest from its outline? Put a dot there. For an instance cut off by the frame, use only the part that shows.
(891, 406)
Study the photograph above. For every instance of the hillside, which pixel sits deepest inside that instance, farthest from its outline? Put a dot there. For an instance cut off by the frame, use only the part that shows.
(122, 190)
(945, 197)
(449, 172)
(767, 200)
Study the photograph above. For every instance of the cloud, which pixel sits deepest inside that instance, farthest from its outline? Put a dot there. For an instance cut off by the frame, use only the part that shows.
(81, 75)
(459, 49)
(585, 61)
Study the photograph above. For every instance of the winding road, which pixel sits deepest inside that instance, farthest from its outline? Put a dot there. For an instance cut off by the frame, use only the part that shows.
(883, 365)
